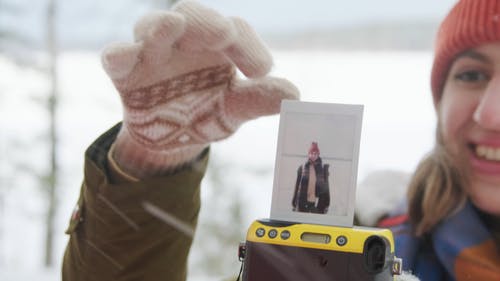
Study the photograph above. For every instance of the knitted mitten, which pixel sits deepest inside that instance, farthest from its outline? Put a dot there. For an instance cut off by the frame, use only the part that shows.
(179, 87)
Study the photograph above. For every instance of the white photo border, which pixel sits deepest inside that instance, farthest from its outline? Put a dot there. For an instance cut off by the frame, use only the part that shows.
(337, 129)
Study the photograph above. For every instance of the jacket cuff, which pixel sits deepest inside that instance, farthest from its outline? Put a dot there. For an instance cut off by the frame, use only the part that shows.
(116, 174)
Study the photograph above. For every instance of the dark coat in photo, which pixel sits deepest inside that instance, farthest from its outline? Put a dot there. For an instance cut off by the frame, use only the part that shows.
(300, 200)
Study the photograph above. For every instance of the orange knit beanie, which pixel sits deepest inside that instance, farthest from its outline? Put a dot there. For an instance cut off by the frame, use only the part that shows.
(469, 24)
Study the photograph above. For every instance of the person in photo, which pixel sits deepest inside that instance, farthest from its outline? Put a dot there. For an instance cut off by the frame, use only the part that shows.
(312, 189)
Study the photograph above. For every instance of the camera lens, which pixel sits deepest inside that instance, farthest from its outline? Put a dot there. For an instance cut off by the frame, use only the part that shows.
(374, 254)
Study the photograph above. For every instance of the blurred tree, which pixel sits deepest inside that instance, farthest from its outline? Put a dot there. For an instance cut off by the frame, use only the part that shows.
(17, 47)
(52, 174)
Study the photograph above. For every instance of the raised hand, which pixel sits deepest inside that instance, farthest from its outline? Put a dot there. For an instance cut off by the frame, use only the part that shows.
(179, 86)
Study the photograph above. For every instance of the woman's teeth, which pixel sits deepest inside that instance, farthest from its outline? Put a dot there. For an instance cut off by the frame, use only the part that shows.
(488, 153)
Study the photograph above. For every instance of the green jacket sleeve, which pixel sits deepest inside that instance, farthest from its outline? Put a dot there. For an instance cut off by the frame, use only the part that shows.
(134, 230)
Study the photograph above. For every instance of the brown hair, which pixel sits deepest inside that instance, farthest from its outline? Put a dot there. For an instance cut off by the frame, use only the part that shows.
(436, 189)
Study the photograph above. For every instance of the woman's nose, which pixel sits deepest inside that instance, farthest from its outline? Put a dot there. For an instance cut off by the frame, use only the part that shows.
(487, 113)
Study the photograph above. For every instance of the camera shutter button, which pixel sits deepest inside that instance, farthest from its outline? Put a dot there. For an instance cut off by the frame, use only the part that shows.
(285, 234)
(272, 233)
(341, 240)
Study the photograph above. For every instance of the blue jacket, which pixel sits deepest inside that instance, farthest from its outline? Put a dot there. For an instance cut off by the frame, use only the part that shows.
(459, 248)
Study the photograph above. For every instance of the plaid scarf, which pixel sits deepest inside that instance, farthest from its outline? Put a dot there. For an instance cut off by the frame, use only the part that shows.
(458, 249)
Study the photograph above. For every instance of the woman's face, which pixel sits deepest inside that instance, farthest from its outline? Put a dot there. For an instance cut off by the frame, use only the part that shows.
(469, 112)
(313, 156)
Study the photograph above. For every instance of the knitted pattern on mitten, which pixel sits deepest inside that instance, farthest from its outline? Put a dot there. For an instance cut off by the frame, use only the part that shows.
(179, 87)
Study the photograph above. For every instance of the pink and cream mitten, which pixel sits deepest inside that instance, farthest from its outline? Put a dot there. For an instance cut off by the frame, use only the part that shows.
(179, 86)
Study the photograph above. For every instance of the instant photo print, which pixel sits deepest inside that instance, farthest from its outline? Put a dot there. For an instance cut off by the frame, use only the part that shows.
(316, 163)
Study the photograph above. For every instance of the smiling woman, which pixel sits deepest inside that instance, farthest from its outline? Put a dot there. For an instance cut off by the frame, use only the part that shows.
(453, 228)
(470, 121)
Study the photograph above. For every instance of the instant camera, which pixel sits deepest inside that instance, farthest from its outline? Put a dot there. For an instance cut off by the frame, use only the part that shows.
(285, 251)
(317, 246)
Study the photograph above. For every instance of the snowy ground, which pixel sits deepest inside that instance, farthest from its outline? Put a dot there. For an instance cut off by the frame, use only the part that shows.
(398, 129)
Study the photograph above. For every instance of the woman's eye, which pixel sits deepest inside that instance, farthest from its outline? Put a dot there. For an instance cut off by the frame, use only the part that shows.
(471, 76)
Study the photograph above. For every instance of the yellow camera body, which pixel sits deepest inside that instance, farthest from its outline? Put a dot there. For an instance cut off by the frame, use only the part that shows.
(287, 251)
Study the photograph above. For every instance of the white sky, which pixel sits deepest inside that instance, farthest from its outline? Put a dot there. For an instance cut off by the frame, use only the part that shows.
(289, 15)
(102, 21)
